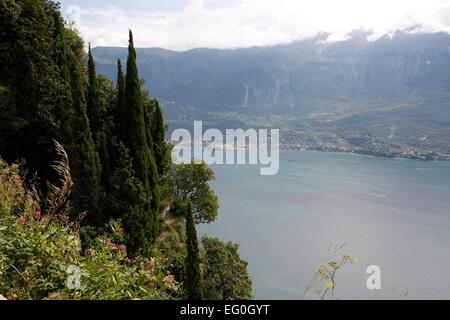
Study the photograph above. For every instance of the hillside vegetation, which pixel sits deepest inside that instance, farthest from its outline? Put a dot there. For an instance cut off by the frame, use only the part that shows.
(88, 208)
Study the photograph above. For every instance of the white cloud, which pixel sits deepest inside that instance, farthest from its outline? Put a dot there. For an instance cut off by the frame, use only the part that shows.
(243, 23)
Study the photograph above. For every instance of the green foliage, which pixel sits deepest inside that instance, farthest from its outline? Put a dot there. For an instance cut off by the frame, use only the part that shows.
(226, 276)
(84, 159)
(193, 282)
(119, 110)
(36, 253)
(133, 131)
(191, 182)
(38, 250)
(12, 193)
(108, 274)
(29, 83)
(34, 256)
(160, 146)
(116, 154)
(93, 109)
(133, 135)
(130, 203)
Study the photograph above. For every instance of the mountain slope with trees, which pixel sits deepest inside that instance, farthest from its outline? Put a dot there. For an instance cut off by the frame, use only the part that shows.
(94, 169)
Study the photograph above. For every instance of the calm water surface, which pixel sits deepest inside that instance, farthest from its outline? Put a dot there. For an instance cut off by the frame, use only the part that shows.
(391, 213)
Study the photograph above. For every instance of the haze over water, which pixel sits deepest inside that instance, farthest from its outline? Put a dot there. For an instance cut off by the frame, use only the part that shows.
(391, 213)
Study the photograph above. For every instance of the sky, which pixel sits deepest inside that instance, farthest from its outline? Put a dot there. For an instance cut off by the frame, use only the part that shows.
(186, 24)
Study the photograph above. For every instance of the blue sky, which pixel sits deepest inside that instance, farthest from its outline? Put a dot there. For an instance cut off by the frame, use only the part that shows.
(186, 24)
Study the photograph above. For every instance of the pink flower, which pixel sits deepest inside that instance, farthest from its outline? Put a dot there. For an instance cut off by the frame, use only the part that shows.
(110, 244)
(21, 220)
(120, 231)
(121, 248)
(37, 215)
(150, 264)
(169, 279)
(174, 287)
(127, 261)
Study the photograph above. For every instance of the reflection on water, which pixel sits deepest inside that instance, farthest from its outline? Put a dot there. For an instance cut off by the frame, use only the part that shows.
(392, 213)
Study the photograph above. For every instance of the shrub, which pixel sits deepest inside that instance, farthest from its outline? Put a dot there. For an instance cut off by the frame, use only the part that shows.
(36, 253)
(41, 252)
(12, 192)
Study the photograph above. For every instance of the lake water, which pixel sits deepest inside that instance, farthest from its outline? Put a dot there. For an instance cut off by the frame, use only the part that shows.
(391, 213)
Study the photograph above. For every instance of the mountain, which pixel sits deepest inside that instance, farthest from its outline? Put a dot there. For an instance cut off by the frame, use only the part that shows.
(388, 97)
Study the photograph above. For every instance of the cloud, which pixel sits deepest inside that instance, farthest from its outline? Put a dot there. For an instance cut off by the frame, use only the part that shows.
(243, 23)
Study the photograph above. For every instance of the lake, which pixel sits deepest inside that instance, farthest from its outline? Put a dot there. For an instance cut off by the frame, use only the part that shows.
(392, 213)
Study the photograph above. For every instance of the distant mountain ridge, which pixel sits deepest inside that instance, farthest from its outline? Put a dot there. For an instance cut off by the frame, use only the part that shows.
(390, 96)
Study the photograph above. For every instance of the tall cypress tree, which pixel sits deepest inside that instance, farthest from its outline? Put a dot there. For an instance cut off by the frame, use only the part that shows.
(128, 201)
(93, 111)
(119, 108)
(193, 275)
(133, 124)
(133, 135)
(84, 159)
(159, 144)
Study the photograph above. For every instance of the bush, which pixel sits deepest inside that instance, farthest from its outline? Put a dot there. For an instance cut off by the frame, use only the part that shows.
(36, 254)
(12, 192)
(40, 252)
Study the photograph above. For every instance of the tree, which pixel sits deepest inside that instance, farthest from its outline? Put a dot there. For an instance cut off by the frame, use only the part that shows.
(193, 275)
(129, 202)
(191, 182)
(64, 112)
(93, 109)
(226, 276)
(133, 124)
(133, 135)
(105, 140)
(119, 108)
(84, 159)
(160, 148)
(30, 82)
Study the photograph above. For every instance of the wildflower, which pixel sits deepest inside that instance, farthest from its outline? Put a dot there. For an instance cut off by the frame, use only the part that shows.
(121, 248)
(174, 287)
(120, 231)
(127, 261)
(37, 215)
(21, 220)
(169, 279)
(150, 264)
(110, 244)
(88, 251)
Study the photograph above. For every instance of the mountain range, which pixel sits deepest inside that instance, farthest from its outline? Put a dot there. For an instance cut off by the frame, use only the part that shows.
(388, 97)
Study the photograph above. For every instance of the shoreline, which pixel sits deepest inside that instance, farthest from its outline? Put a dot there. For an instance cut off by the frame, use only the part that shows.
(362, 153)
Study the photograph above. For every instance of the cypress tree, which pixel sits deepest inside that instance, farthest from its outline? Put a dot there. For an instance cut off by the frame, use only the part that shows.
(160, 151)
(119, 107)
(133, 134)
(93, 111)
(133, 124)
(129, 202)
(64, 112)
(84, 159)
(193, 275)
